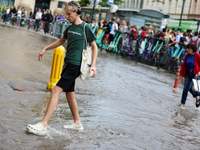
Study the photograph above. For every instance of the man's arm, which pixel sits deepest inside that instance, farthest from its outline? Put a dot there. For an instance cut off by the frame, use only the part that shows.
(94, 58)
(52, 46)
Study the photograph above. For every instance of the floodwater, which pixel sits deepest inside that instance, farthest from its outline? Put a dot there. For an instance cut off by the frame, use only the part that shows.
(127, 106)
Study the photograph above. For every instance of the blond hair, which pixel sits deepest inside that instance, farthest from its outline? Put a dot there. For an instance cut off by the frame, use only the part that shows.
(71, 6)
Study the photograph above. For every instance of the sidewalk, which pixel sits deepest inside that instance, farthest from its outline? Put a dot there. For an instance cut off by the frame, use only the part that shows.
(25, 28)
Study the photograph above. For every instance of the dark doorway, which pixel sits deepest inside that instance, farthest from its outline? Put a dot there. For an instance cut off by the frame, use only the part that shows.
(43, 4)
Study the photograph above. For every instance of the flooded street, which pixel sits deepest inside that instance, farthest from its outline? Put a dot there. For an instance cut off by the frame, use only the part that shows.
(127, 106)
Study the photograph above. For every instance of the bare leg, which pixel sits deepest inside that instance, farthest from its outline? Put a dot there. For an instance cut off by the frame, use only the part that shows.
(52, 105)
(197, 98)
(73, 107)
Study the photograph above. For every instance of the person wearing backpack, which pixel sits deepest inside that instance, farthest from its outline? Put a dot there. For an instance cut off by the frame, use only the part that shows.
(112, 32)
(196, 40)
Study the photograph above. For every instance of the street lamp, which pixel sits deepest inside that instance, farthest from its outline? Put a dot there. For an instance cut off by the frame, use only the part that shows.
(179, 27)
(94, 4)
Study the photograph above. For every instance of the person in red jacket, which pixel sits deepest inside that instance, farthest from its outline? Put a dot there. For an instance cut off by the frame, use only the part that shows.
(190, 69)
(134, 33)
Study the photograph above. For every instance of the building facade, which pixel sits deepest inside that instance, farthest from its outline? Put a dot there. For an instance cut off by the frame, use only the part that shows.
(132, 4)
(194, 9)
(131, 11)
(53, 5)
(172, 7)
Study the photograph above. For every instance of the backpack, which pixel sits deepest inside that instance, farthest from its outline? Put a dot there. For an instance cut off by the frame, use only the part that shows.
(195, 42)
(110, 26)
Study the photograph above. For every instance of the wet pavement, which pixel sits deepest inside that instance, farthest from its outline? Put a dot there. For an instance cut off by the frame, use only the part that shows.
(127, 106)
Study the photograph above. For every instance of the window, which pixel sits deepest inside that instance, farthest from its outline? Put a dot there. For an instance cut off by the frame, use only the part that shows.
(130, 4)
(158, 5)
(195, 6)
(12, 2)
(61, 4)
(163, 3)
(147, 4)
(7, 2)
(170, 4)
(126, 4)
(152, 4)
(176, 6)
(141, 4)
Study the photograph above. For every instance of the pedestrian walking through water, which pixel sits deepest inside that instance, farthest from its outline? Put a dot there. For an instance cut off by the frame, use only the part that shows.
(74, 33)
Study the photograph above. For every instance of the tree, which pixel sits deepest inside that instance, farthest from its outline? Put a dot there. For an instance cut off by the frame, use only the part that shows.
(84, 3)
(103, 3)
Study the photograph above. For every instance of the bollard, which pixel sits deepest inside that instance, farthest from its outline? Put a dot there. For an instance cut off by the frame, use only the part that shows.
(57, 65)
(177, 77)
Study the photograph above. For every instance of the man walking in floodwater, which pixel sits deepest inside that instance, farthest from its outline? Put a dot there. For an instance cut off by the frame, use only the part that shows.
(74, 33)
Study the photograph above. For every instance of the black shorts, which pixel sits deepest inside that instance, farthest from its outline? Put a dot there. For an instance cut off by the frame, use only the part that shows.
(68, 76)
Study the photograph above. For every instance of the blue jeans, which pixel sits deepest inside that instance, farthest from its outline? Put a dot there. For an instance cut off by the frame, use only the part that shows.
(187, 86)
(170, 53)
(37, 24)
(7, 17)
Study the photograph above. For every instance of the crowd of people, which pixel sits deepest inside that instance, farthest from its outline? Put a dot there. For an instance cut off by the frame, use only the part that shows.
(172, 38)
(189, 42)
(20, 17)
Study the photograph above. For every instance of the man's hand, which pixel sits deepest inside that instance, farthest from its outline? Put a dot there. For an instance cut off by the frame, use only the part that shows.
(41, 54)
(94, 71)
(183, 80)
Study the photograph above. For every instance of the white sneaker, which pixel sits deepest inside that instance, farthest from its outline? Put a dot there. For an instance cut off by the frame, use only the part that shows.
(73, 126)
(181, 107)
(37, 129)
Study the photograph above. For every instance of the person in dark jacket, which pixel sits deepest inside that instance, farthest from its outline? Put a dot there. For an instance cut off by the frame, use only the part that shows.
(47, 18)
(190, 69)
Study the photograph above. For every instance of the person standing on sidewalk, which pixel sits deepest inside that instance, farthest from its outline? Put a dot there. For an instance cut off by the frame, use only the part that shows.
(196, 40)
(74, 34)
(113, 30)
(19, 16)
(47, 18)
(38, 18)
(7, 14)
(3, 17)
(61, 16)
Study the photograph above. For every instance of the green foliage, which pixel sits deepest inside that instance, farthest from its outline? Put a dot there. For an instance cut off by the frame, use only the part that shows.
(84, 3)
(103, 3)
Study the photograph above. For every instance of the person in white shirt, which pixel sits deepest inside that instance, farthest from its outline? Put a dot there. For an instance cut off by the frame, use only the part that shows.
(112, 32)
(38, 18)
(19, 16)
(7, 14)
(128, 29)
